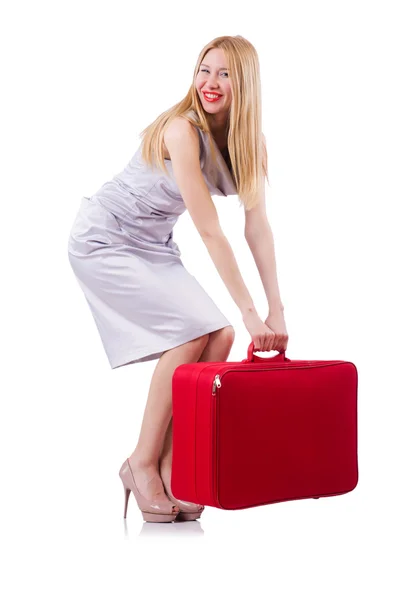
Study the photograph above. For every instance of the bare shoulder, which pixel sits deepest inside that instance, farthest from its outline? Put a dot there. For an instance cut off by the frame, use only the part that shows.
(179, 127)
(180, 136)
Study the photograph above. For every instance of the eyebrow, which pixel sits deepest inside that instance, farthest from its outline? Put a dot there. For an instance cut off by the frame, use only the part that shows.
(221, 69)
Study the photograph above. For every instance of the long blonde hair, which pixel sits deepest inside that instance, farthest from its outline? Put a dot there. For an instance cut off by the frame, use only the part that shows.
(247, 149)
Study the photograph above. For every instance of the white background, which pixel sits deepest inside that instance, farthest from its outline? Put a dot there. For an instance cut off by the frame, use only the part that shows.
(80, 80)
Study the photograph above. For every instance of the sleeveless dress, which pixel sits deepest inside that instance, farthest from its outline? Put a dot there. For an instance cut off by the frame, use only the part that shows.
(122, 252)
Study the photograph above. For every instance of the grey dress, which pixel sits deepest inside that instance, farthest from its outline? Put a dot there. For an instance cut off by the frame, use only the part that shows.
(123, 254)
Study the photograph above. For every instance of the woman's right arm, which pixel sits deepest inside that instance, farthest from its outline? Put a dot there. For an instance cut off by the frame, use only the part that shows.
(182, 142)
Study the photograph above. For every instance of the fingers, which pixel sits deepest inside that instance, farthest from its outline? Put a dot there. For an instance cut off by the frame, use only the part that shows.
(274, 342)
(266, 342)
(271, 341)
(282, 344)
(260, 344)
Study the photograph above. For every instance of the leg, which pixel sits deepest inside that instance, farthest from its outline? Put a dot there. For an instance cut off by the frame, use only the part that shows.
(219, 345)
(145, 458)
(218, 348)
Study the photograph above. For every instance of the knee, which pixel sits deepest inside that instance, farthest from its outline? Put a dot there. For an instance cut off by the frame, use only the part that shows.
(229, 334)
(225, 335)
(203, 339)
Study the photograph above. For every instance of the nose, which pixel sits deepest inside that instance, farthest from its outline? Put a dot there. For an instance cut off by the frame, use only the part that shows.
(212, 81)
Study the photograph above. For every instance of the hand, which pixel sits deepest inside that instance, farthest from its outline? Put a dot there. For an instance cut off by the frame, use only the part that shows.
(275, 321)
(262, 336)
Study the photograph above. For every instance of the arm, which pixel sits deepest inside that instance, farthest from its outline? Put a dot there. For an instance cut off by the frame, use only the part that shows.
(182, 143)
(260, 240)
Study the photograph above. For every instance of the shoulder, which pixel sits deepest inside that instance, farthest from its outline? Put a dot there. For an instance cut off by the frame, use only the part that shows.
(180, 128)
(181, 135)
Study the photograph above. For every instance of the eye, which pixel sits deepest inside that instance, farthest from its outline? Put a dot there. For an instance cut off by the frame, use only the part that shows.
(224, 73)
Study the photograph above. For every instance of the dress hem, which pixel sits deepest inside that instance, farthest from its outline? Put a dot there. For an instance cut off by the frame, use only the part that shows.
(150, 354)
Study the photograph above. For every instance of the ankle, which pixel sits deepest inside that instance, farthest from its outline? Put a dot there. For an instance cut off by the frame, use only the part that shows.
(141, 461)
(166, 462)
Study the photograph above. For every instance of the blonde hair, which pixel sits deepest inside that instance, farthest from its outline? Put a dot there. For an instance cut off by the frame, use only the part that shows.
(247, 150)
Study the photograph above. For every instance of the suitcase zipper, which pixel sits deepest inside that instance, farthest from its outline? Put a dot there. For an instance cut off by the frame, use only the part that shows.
(216, 383)
(303, 364)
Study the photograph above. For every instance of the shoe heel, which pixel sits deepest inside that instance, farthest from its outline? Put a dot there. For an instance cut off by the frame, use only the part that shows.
(153, 513)
(127, 495)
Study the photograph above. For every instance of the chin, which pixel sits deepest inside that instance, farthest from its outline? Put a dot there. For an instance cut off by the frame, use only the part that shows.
(213, 108)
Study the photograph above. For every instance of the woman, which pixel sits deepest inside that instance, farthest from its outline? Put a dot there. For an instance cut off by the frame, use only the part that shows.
(146, 305)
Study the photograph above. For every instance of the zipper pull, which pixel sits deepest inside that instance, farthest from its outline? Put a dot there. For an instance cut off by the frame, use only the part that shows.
(217, 383)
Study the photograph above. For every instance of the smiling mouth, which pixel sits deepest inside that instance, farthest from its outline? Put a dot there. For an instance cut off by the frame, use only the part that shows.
(213, 98)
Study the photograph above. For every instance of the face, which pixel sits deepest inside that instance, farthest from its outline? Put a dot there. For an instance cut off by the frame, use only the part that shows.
(213, 76)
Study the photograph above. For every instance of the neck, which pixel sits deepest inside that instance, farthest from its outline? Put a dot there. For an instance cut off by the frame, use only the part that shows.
(218, 125)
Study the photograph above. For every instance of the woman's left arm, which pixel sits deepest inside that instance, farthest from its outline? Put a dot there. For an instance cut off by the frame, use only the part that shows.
(259, 237)
(260, 240)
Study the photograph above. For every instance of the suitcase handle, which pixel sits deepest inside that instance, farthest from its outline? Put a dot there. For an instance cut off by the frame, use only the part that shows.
(251, 357)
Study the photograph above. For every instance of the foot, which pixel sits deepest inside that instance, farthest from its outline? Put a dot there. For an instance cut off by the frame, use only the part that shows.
(165, 473)
(148, 481)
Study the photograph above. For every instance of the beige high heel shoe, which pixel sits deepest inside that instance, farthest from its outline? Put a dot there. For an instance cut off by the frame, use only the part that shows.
(189, 511)
(159, 512)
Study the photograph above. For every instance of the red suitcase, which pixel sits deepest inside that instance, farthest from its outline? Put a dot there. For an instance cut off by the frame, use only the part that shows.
(263, 430)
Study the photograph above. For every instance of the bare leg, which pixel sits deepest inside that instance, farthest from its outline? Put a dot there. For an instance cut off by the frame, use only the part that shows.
(145, 458)
(217, 349)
